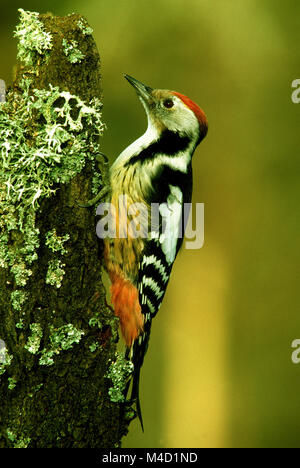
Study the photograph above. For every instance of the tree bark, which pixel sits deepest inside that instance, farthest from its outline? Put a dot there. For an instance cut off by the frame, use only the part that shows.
(58, 335)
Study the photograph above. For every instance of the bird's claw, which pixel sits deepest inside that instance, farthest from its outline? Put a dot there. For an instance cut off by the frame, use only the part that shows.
(129, 412)
(103, 165)
(103, 192)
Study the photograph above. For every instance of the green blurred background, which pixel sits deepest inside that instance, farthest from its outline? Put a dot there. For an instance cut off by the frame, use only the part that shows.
(218, 372)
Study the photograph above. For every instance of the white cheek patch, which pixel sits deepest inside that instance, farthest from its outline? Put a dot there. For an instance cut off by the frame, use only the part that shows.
(171, 213)
(183, 119)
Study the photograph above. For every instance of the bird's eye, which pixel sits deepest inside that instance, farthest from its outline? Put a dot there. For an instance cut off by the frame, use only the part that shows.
(168, 103)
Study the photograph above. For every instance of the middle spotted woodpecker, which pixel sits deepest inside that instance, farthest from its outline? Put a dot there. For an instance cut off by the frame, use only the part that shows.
(155, 169)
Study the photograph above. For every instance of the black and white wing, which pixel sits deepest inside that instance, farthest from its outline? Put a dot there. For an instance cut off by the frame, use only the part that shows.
(155, 268)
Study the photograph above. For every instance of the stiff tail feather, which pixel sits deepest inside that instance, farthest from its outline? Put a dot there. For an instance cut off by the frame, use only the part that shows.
(135, 381)
(135, 395)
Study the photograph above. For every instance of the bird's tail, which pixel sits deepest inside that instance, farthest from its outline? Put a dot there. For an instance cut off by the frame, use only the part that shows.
(136, 354)
(135, 394)
(135, 381)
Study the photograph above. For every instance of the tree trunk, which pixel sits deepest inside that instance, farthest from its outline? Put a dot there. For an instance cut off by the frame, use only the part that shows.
(57, 335)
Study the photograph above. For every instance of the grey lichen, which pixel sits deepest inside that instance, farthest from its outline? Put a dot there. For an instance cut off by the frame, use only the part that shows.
(60, 143)
(55, 242)
(72, 51)
(85, 28)
(62, 338)
(34, 41)
(55, 273)
(119, 373)
(18, 299)
(97, 182)
(34, 340)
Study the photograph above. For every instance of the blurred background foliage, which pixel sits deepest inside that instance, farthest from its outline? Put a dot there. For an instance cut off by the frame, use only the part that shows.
(218, 372)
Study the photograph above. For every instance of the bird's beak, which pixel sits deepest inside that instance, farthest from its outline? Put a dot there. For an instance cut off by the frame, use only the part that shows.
(144, 92)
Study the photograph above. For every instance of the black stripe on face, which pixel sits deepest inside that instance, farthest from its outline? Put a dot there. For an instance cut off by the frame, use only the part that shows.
(170, 143)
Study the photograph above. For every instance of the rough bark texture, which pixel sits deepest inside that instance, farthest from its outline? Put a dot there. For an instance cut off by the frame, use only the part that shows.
(65, 404)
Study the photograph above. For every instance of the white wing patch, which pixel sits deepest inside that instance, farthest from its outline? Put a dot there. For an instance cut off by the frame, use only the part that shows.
(171, 213)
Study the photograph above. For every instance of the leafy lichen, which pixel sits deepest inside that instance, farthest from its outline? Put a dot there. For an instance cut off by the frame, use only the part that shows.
(119, 372)
(71, 51)
(34, 41)
(55, 242)
(85, 28)
(55, 273)
(34, 340)
(18, 298)
(95, 322)
(44, 142)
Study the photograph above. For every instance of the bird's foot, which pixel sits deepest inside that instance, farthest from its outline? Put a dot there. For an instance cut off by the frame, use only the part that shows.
(103, 166)
(100, 196)
(129, 412)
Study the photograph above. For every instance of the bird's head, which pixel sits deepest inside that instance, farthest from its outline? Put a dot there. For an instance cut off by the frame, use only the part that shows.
(169, 110)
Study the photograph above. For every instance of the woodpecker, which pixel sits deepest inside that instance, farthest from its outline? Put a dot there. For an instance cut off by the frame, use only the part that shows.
(155, 169)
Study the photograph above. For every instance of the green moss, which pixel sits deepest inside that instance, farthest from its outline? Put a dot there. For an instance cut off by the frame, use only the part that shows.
(94, 346)
(95, 322)
(38, 387)
(11, 383)
(34, 41)
(71, 51)
(61, 339)
(119, 372)
(110, 320)
(20, 323)
(21, 442)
